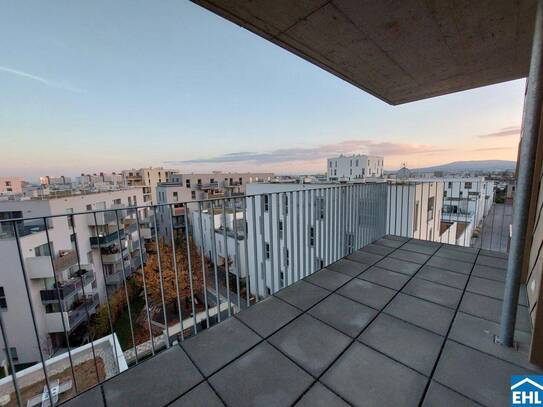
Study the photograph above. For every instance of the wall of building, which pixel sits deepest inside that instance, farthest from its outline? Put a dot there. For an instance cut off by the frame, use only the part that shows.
(347, 168)
(11, 185)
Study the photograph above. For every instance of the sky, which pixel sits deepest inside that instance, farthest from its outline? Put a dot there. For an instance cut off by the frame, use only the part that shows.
(110, 85)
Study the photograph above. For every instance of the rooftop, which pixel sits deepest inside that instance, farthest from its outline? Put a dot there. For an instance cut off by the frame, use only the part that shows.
(419, 315)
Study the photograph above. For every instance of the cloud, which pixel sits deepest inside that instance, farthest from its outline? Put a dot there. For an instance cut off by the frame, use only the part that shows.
(42, 80)
(315, 153)
(504, 132)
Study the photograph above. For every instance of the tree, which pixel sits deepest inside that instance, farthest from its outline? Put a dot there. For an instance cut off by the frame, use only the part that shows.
(153, 274)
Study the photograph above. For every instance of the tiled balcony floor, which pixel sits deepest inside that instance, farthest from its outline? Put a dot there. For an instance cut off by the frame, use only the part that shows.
(400, 323)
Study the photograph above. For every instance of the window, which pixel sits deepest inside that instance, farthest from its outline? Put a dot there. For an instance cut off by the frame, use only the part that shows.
(467, 185)
(280, 229)
(445, 194)
(336, 164)
(311, 236)
(267, 250)
(3, 302)
(449, 185)
(286, 205)
(13, 353)
(287, 261)
(187, 183)
(240, 181)
(416, 218)
(351, 163)
(330, 164)
(212, 180)
(42, 250)
(117, 201)
(199, 181)
(8, 183)
(431, 208)
(175, 197)
(89, 207)
(193, 194)
(266, 203)
(356, 162)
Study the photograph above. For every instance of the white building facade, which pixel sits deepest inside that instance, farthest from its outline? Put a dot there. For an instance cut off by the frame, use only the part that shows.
(354, 167)
(76, 258)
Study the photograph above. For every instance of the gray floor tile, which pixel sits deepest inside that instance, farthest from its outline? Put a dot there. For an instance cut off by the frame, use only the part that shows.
(492, 288)
(217, 346)
(478, 376)
(389, 243)
(399, 266)
(364, 257)
(423, 242)
(404, 342)
(420, 248)
(325, 278)
(461, 249)
(268, 315)
(377, 249)
(92, 397)
(450, 264)
(302, 295)
(367, 293)
(407, 255)
(492, 262)
(201, 396)
(365, 377)
(261, 377)
(456, 255)
(148, 385)
(491, 309)
(491, 253)
(479, 333)
(492, 273)
(440, 396)
(347, 316)
(396, 238)
(433, 317)
(438, 293)
(349, 267)
(320, 396)
(384, 277)
(310, 343)
(442, 276)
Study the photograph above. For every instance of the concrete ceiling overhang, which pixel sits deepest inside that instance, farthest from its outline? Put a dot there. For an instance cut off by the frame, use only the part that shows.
(397, 50)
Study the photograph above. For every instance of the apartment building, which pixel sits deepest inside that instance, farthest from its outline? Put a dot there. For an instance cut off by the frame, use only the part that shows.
(55, 180)
(147, 179)
(101, 181)
(348, 168)
(182, 188)
(11, 185)
(75, 258)
(467, 199)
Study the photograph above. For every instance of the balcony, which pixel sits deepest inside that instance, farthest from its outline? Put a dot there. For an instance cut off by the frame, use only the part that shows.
(41, 266)
(206, 186)
(73, 317)
(105, 240)
(422, 315)
(68, 287)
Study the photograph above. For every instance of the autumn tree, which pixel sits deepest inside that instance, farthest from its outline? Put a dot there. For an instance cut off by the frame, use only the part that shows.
(167, 273)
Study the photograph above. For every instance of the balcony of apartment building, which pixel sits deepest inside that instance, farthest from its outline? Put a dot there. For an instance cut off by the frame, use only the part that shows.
(206, 186)
(62, 288)
(39, 267)
(362, 299)
(74, 312)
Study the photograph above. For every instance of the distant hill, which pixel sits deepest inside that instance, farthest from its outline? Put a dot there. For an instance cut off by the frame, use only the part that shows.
(482, 165)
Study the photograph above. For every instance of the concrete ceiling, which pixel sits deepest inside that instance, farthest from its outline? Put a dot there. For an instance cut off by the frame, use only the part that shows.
(397, 50)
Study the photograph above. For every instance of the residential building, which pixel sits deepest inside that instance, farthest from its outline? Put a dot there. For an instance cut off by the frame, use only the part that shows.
(182, 188)
(353, 167)
(79, 258)
(11, 185)
(101, 181)
(55, 180)
(147, 179)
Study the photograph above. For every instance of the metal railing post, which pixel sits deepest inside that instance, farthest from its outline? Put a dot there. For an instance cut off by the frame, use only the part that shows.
(526, 163)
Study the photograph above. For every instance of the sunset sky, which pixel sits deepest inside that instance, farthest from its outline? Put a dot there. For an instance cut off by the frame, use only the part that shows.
(104, 86)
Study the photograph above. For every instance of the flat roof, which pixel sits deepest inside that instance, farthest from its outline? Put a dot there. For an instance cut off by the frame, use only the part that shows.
(398, 51)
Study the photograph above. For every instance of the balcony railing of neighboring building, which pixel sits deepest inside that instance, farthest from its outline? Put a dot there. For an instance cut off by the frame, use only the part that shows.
(185, 287)
(66, 288)
(206, 185)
